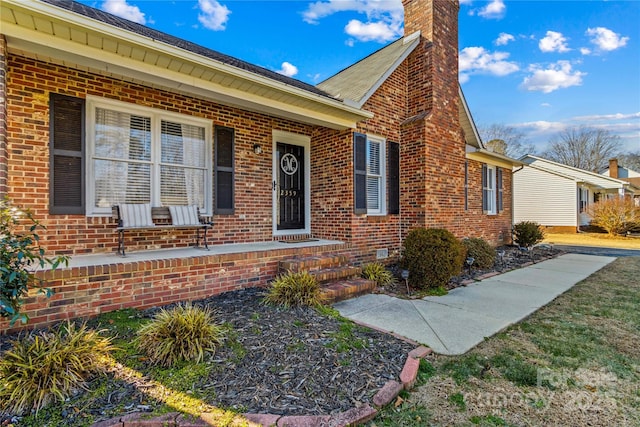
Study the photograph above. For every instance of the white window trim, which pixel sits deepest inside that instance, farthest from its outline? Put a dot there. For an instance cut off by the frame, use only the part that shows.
(491, 181)
(383, 175)
(156, 116)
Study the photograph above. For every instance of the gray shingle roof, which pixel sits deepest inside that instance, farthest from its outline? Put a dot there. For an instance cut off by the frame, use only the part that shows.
(159, 36)
(359, 81)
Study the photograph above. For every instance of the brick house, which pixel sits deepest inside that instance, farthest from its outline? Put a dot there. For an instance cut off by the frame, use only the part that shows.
(96, 111)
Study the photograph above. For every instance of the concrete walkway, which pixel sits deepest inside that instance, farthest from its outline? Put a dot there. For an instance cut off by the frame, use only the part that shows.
(455, 323)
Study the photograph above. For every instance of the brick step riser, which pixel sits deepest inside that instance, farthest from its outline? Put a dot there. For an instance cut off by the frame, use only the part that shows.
(312, 264)
(331, 275)
(344, 289)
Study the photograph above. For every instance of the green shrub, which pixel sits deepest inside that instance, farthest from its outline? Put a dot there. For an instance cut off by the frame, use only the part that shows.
(615, 216)
(183, 333)
(46, 366)
(378, 273)
(432, 257)
(295, 289)
(527, 234)
(483, 254)
(20, 253)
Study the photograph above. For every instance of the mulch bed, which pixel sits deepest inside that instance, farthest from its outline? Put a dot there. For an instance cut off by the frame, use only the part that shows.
(510, 258)
(293, 364)
(283, 361)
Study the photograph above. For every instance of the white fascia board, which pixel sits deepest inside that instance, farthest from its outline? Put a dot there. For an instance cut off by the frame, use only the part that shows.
(619, 182)
(53, 12)
(491, 158)
(472, 123)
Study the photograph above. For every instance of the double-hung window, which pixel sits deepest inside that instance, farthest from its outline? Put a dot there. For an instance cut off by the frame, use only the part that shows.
(142, 155)
(370, 182)
(489, 205)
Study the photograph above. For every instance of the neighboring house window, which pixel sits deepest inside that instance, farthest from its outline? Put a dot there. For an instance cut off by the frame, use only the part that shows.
(224, 170)
(369, 175)
(141, 155)
(583, 199)
(393, 163)
(66, 149)
(489, 189)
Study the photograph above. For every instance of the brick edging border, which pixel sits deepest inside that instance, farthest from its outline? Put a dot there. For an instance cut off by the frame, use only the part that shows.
(352, 417)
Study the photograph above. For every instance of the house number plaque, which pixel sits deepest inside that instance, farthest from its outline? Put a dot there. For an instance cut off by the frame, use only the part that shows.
(289, 164)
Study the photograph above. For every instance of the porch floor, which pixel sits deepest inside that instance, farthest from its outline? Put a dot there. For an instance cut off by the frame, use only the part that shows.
(221, 249)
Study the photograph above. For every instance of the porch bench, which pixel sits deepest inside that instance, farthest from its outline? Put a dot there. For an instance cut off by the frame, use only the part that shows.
(144, 217)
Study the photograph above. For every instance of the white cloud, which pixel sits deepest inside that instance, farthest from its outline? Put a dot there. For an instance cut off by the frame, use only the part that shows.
(477, 60)
(545, 104)
(553, 42)
(605, 39)
(384, 18)
(371, 31)
(124, 10)
(494, 10)
(288, 69)
(504, 38)
(585, 51)
(213, 16)
(556, 76)
(600, 117)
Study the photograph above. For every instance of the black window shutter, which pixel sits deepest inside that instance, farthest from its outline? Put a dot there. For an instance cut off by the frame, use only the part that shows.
(394, 178)
(499, 192)
(224, 170)
(66, 155)
(466, 185)
(360, 173)
(485, 193)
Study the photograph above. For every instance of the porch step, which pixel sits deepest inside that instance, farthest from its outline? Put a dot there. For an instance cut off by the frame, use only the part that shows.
(338, 279)
(344, 289)
(312, 263)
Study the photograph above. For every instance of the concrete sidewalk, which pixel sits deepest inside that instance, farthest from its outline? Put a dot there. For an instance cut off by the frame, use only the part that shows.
(454, 323)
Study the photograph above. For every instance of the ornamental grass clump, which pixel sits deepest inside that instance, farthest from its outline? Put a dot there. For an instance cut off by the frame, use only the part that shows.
(43, 367)
(294, 289)
(483, 254)
(378, 273)
(183, 333)
(432, 257)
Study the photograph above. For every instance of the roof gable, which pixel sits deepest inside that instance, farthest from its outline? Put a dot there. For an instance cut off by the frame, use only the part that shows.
(578, 175)
(359, 81)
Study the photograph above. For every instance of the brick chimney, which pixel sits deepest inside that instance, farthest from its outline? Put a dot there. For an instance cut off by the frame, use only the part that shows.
(613, 168)
(433, 66)
(433, 147)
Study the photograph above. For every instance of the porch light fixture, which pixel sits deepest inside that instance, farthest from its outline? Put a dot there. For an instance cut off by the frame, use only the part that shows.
(257, 148)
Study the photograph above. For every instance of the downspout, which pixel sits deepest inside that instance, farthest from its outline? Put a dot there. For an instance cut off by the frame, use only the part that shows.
(513, 203)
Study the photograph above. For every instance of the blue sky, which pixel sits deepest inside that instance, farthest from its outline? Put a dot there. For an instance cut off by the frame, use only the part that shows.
(537, 66)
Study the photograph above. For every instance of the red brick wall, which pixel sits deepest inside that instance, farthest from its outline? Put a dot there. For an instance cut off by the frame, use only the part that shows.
(3, 116)
(87, 291)
(29, 84)
(496, 229)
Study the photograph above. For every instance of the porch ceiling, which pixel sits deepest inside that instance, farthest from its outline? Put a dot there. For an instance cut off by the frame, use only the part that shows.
(45, 32)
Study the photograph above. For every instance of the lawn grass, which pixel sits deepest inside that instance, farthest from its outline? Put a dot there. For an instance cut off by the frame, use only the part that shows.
(592, 239)
(575, 362)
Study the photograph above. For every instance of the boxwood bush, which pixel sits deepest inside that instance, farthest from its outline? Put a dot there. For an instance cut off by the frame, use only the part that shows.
(432, 257)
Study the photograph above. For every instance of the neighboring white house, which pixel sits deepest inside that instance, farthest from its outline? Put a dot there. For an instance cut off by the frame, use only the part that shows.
(625, 174)
(557, 195)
